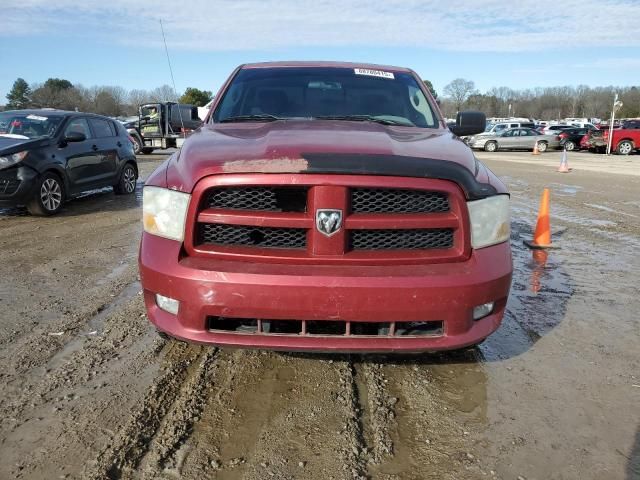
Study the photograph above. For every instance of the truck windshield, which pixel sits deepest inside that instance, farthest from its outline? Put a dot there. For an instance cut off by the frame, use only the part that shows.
(28, 125)
(283, 93)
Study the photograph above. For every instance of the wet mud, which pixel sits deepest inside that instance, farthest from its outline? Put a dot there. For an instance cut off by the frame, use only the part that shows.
(91, 392)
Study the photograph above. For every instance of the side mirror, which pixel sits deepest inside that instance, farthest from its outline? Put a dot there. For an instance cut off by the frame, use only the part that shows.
(75, 137)
(469, 123)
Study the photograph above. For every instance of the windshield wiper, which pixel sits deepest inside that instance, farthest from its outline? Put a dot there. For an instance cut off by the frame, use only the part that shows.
(367, 118)
(263, 117)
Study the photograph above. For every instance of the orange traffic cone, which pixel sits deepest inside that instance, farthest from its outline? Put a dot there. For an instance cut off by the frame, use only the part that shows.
(535, 149)
(542, 235)
(564, 164)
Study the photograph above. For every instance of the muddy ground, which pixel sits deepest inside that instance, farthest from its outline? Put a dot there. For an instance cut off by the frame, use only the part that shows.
(89, 391)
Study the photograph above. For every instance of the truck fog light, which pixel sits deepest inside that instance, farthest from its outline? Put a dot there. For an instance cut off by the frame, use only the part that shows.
(167, 304)
(482, 311)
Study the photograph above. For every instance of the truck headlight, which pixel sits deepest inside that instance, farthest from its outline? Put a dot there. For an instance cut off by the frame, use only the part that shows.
(164, 212)
(10, 160)
(489, 221)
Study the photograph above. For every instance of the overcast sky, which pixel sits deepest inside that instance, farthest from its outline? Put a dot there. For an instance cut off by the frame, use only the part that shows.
(519, 44)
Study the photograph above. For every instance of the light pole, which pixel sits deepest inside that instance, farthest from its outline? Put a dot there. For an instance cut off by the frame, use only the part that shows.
(616, 105)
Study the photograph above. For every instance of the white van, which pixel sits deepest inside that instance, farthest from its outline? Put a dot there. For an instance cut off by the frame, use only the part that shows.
(495, 128)
(588, 125)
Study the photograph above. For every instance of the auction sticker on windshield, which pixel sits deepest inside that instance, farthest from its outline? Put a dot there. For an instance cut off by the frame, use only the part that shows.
(37, 117)
(373, 73)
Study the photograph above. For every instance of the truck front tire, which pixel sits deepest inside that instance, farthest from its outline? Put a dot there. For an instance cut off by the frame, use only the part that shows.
(625, 147)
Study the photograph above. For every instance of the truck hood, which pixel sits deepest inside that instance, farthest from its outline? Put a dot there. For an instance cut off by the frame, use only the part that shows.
(315, 146)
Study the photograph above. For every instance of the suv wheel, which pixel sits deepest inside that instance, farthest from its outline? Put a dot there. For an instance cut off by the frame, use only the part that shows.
(146, 150)
(490, 146)
(542, 147)
(569, 146)
(625, 147)
(49, 196)
(127, 183)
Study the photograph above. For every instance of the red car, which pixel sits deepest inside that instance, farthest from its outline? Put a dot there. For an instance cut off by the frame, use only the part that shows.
(625, 139)
(326, 206)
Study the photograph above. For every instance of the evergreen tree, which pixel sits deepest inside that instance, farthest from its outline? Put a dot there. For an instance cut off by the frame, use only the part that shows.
(19, 96)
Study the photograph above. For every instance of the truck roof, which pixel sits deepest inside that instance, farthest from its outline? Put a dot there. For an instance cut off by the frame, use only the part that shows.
(372, 66)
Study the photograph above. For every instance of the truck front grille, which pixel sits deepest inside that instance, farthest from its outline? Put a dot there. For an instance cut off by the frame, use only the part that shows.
(382, 221)
(384, 200)
(264, 237)
(401, 239)
(268, 199)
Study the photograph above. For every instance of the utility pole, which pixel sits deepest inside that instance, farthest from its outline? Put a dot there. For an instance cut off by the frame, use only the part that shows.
(616, 105)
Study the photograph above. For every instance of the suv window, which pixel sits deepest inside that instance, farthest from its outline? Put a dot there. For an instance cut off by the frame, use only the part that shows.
(101, 128)
(79, 125)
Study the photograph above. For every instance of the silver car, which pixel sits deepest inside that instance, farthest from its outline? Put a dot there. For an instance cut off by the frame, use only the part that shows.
(515, 139)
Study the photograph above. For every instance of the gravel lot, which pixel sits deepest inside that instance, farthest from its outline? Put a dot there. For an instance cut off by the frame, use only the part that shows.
(90, 391)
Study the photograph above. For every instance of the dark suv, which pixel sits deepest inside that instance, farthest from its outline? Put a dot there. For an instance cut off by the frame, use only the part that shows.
(571, 138)
(47, 156)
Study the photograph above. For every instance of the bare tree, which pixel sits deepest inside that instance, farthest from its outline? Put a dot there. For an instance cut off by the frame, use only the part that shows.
(137, 97)
(164, 93)
(459, 90)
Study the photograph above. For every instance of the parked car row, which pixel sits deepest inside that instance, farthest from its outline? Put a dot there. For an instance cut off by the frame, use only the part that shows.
(517, 135)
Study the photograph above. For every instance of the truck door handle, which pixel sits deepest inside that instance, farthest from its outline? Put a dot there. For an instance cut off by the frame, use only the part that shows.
(94, 148)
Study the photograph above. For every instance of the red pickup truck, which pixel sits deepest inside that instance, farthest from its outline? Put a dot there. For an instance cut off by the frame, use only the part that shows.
(624, 140)
(326, 206)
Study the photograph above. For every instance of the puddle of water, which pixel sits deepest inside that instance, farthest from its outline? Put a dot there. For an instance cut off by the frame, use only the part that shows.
(9, 212)
(539, 294)
(564, 190)
(514, 182)
(608, 209)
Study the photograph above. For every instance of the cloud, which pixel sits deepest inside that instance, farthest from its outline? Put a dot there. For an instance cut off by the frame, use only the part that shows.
(457, 25)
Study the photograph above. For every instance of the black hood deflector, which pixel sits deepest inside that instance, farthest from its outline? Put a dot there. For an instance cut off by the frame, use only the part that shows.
(399, 166)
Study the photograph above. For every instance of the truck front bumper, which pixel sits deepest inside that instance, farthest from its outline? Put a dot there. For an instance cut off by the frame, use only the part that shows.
(209, 289)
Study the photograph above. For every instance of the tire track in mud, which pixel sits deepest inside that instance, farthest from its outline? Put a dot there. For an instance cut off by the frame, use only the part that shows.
(358, 426)
(377, 407)
(61, 359)
(439, 405)
(38, 346)
(164, 452)
(163, 418)
(82, 394)
(273, 415)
